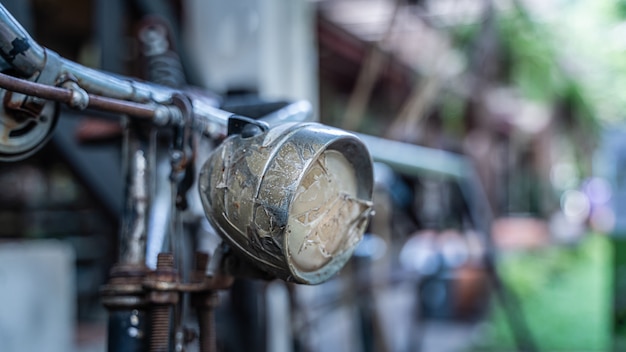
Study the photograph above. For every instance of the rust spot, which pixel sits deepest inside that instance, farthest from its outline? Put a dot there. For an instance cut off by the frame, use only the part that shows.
(9, 125)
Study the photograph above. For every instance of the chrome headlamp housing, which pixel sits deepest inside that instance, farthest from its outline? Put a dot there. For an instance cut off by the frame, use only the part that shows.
(294, 200)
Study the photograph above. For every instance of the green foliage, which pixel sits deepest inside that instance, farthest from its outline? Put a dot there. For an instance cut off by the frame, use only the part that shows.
(542, 59)
(621, 8)
(564, 294)
(589, 37)
(533, 67)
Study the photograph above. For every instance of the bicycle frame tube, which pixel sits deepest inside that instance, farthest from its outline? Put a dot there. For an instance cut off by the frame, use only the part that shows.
(17, 48)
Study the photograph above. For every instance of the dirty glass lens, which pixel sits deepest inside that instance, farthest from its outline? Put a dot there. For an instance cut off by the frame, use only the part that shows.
(325, 218)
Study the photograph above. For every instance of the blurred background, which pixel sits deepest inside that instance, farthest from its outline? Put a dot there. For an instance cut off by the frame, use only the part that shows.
(500, 147)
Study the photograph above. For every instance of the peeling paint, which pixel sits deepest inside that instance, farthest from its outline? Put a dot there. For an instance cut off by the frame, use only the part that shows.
(287, 201)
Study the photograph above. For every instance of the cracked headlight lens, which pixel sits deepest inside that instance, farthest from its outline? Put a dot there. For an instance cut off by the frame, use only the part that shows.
(294, 201)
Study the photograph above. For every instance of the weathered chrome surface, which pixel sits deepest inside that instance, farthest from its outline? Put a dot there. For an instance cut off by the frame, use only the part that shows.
(260, 194)
(139, 160)
(17, 47)
(22, 134)
(25, 56)
(27, 122)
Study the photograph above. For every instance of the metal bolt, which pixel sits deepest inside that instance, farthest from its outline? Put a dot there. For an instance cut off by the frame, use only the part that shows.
(205, 303)
(160, 330)
(165, 261)
(161, 313)
(206, 322)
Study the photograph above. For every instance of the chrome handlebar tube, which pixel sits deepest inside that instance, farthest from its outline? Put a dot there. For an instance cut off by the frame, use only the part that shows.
(32, 62)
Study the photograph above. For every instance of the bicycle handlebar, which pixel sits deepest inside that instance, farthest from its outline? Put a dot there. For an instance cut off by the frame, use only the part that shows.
(109, 92)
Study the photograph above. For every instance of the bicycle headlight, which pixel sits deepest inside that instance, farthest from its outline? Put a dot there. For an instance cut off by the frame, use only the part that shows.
(294, 201)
